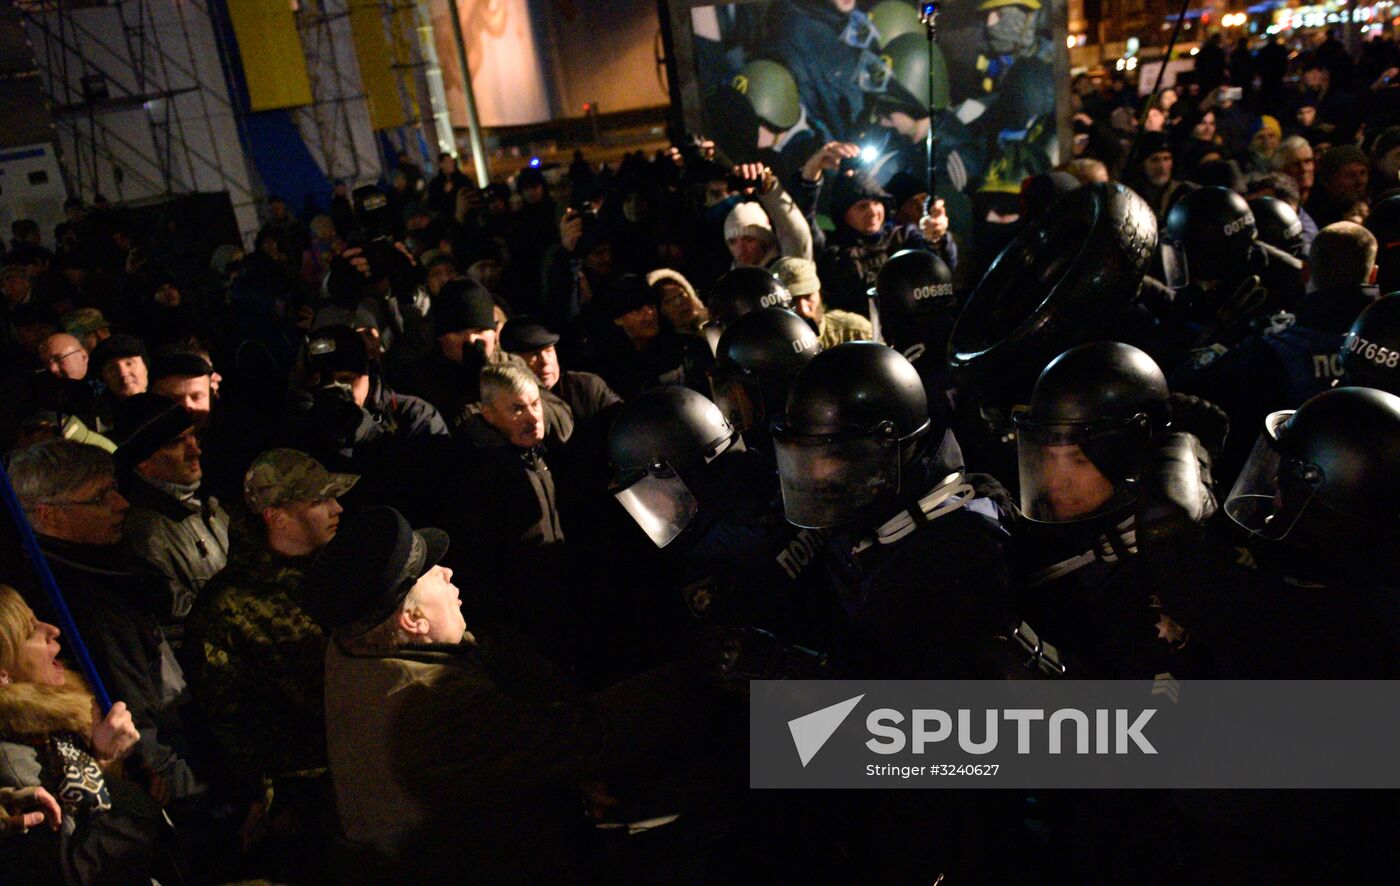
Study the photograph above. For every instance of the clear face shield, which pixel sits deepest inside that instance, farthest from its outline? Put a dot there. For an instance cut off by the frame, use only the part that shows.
(1074, 472)
(831, 480)
(1273, 489)
(1174, 266)
(658, 500)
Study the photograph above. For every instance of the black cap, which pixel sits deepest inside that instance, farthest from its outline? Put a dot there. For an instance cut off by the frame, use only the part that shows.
(523, 334)
(166, 365)
(361, 576)
(627, 293)
(462, 304)
(117, 346)
(144, 423)
(333, 349)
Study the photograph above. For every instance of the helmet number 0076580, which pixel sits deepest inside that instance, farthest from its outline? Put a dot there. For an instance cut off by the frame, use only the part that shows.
(1369, 350)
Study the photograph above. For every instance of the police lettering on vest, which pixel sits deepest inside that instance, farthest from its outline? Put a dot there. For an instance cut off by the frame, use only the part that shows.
(800, 552)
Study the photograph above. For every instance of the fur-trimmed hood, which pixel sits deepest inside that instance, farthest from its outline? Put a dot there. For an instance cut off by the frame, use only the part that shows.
(31, 711)
(676, 277)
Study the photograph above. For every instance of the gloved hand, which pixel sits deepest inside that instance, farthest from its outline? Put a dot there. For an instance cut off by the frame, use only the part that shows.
(1174, 489)
(1200, 418)
(740, 654)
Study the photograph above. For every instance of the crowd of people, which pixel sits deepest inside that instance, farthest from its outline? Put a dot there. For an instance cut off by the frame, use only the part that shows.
(438, 535)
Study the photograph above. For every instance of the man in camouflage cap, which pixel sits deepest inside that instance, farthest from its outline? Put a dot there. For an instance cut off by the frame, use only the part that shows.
(256, 660)
(799, 275)
(88, 326)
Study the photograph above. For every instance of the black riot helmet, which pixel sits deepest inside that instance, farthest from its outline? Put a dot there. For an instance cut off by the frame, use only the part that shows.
(1208, 237)
(742, 290)
(1384, 224)
(757, 359)
(1324, 479)
(1278, 225)
(852, 417)
(1371, 348)
(1094, 411)
(911, 292)
(659, 447)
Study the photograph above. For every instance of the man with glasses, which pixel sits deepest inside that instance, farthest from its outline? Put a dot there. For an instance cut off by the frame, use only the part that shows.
(69, 493)
(64, 357)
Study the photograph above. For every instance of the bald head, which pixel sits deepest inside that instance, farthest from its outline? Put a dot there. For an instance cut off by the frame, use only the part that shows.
(63, 355)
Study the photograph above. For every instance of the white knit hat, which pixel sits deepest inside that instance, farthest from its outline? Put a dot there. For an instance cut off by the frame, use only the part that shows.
(749, 219)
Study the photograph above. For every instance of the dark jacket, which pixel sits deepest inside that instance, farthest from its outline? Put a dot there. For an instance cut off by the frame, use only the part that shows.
(185, 540)
(114, 847)
(586, 394)
(507, 501)
(255, 662)
(113, 607)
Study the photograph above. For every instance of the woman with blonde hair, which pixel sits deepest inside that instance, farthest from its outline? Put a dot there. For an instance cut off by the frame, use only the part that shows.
(56, 744)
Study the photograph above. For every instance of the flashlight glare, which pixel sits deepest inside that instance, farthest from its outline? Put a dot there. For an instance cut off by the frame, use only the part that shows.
(534, 162)
(869, 153)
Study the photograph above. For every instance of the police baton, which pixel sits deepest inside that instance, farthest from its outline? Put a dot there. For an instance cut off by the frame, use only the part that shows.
(46, 579)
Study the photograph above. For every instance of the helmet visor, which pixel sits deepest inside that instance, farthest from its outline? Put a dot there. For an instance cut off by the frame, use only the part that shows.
(738, 398)
(1074, 472)
(876, 333)
(830, 481)
(658, 500)
(1273, 489)
(1174, 267)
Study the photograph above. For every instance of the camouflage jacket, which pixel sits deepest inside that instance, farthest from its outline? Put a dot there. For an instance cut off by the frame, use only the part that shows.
(255, 663)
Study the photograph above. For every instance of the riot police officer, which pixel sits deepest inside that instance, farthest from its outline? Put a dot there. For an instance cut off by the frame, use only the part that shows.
(1384, 223)
(1318, 498)
(1370, 356)
(1296, 355)
(1278, 225)
(913, 307)
(1225, 279)
(1099, 445)
(746, 289)
(682, 472)
(920, 555)
(757, 359)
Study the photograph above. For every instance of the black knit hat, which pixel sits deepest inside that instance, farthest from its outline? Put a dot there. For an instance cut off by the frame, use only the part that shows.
(853, 188)
(361, 576)
(462, 304)
(144, 423)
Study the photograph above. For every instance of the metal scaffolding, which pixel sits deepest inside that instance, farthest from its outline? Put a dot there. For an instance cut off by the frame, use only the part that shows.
(100, 64)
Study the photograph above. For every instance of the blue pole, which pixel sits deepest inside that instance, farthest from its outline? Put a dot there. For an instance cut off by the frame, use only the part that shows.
(60, 607)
